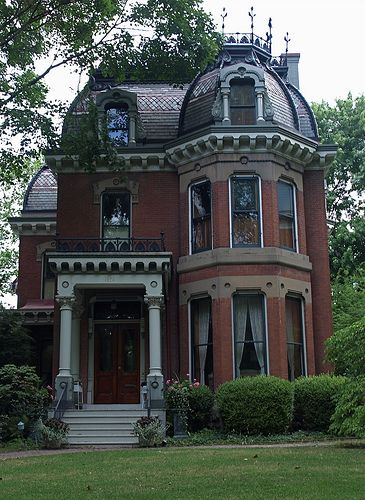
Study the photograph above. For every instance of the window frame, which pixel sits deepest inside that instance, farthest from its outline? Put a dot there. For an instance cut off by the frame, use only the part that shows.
(192, 345)
(242, 82)
(251, 293)
(294, 219)
(303, 344)
(116, 191)
(259, 244)
(190, 201)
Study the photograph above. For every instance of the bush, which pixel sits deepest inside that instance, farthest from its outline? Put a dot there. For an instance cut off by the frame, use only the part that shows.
(150, 431)
(16, 344)
(315, 401)
(256, 405)
(201, 402)
(349, 416)
(50, 434)
(20, 397)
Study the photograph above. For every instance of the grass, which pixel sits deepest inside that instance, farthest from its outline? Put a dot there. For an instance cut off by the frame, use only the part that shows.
(171, 473)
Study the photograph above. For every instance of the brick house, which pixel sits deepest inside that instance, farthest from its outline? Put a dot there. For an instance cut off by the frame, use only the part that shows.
(206, 253)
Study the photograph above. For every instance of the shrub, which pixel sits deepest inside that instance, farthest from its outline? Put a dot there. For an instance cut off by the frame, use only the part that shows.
(346, 350)
(150, 431)
(349, 416)
(315, 401)
(201, 402)
(256, 405)
(20, 396)
(50, 434)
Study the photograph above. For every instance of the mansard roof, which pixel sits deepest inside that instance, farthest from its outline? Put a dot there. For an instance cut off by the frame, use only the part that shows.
(41, 194)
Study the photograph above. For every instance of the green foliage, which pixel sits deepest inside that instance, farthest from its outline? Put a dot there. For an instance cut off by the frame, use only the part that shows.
(348, 299)
(178, 39)
(256, 405)
(344, 124)
(11, 201)
(315, 401)
(349, 416)
(20, 395)
(16, 345)
(346, 350)
(150, 431)
(201, 402)
(347, 248)
(177, 395)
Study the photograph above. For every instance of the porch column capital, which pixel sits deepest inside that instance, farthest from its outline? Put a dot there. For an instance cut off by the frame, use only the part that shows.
(66, 303)
(154, 301)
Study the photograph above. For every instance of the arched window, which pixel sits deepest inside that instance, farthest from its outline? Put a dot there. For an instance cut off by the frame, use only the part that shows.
(242, 102)
(117, 123)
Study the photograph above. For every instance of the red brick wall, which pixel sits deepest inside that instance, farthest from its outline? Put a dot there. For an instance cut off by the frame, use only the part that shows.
(30, 270)
(317, 244)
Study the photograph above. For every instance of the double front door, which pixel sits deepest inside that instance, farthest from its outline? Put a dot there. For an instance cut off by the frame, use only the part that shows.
(117, 377)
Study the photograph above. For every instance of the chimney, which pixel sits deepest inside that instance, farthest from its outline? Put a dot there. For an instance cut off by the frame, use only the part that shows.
(292, 61)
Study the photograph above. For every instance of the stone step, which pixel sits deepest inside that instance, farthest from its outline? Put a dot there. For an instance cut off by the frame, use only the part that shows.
(103, 440)
(100, 433)
(101, 425)
(103, 414)
(99, 419)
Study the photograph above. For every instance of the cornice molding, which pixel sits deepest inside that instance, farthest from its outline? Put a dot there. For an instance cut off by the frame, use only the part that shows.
(33, 226)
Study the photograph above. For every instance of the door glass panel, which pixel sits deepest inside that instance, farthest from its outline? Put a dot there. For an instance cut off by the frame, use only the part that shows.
(106, 350)
(130, 351)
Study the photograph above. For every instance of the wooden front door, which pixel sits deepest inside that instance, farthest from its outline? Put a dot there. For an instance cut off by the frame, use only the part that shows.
(116, 365)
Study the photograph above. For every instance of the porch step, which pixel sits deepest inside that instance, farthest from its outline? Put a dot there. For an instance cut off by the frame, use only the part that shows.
(104, 424)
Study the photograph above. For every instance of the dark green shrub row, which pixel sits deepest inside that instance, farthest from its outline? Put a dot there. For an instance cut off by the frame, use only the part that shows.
(201, 402)
(315, 401)
(256, 405)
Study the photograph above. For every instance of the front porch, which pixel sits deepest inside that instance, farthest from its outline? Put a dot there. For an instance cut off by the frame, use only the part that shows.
(110, 335)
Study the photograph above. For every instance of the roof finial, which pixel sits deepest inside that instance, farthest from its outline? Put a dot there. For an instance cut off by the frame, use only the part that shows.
(269, 35)
(252, 15)
(223, 16)
(287, 40)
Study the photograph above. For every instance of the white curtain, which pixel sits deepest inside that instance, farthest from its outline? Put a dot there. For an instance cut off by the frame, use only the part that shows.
(257, 327)
(204, 320)
(290, 341)
(240, 311)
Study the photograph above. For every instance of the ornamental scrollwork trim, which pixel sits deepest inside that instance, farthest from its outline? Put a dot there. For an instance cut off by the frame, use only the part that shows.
(66, 302)
(154, 300)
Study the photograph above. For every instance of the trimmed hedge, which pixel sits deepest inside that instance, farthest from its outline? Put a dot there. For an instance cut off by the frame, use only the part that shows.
(315, 400)
(201, 402)
(256, 405)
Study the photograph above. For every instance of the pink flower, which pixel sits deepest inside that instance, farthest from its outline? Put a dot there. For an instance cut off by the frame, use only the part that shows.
(196, 384)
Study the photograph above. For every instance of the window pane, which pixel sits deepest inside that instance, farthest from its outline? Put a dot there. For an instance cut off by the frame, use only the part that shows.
(202, 341)
(286, 231)
(201, 217)
(106, 350)
(285, 199)
(130, 351)
(243, 116)
(245, 194)
(245, 228)
(118, 125)
(242, 93)
(249, 332)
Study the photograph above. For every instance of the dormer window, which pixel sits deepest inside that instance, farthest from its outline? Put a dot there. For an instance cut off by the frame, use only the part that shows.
(242, 102)
(117, 123)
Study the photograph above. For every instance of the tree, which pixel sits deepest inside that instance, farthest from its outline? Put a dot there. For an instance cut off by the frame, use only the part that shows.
(348, 299)
(344, 125)
(162, 39)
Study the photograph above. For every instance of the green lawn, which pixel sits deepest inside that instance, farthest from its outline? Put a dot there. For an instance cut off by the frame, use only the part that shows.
(229, 473)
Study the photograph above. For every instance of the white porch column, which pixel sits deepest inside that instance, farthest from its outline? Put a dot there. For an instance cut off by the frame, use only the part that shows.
(155, 377)
(132, 129)
(75, 341)
(64, 372)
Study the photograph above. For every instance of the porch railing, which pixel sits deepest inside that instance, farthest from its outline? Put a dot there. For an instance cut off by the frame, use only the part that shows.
(111, 245)
(61, 403)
